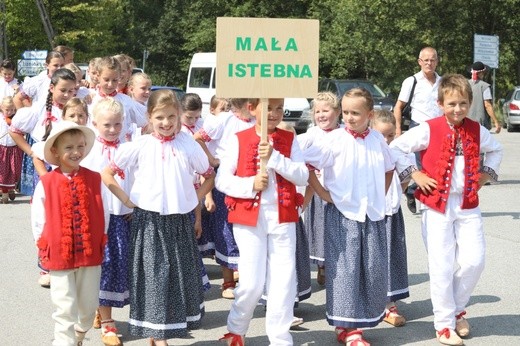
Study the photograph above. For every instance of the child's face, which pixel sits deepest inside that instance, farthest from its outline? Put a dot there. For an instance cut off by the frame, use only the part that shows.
(7, 74)
(69, 148)
(63, 91)
(222, 106)
(125, 75)
(141, 90)
(356, 114)
(274, 114)
(53, 65)
(190, 118)
(109, 125)
(165, 121)
(455, 107)
(76, 114)
(93, 75)
(7, 110)
(325, 116)
(386, 129)
(108, 80)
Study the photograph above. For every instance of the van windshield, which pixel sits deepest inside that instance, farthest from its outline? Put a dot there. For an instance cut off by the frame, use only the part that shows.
(200, 77)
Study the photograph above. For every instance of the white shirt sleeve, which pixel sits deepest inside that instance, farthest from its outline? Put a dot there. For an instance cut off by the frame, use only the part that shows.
(38, 211)
(492, 150)
(291, 168)
(226, 181)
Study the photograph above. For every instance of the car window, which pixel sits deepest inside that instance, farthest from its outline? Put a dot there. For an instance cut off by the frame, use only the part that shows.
(517, 95)
(200, 77)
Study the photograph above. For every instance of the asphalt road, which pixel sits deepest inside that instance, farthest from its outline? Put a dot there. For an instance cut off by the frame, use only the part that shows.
(493, 311)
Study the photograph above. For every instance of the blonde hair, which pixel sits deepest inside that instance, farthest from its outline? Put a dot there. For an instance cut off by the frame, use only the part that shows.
(107, 104)
(139, 75)
(363, 93)
(454, 83)
(327, 97)
(286, 126)
(7, 101)
(164, 98)
(74, 102)
(383, 116)
(108, 62)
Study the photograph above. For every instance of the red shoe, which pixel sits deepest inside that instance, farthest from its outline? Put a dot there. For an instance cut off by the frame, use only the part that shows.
(233, 339)
(352, 338)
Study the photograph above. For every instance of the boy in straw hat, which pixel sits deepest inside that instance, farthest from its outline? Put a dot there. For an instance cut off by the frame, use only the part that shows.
(69, 229)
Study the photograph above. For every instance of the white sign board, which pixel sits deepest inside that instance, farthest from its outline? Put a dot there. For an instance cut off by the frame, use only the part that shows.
(34, 54)
(485, 50)
(30, 67)
(267, 57)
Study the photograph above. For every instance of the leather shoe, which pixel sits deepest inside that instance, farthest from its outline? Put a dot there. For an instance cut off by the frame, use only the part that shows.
(410, 202)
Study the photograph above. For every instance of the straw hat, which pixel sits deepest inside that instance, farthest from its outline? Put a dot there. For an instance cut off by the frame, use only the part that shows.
(57, 130)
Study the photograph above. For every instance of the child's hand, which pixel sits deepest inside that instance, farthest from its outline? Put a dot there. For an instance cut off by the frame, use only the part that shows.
(210, 204)
(127, 217)
(214, 162)
(265, 150)
(260, 182)
(424, 182)
(484, 178)
(198, 229)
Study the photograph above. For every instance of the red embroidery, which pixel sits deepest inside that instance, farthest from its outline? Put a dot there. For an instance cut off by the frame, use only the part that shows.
(107, 145)
(357, 135)
(70, 202)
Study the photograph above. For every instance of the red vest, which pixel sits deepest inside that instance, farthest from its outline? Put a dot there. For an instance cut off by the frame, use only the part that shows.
(438, 160)
(74, 232)
(245, 211)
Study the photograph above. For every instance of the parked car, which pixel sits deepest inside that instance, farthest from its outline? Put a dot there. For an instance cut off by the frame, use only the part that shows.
(340, 86)
(511, 109)
(296, 112)
(178, 91)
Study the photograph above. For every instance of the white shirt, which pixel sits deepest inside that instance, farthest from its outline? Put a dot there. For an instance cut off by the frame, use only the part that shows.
(5, 139)
(37, 87)
(424, 102)
(97, 160)
(163, 184)
(134, 113)
(38, 210)
(31, 119)
(354, 172)
(293, 169)
(222, 127)
(418, 139)
(6, 89)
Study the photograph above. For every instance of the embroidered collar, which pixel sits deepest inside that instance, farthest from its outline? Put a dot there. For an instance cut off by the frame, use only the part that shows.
(112, 144)
(357, 135)
(191, 128)
(56, 104)
(332, 129)
(242, 119)
(162, 138)
(103, 95)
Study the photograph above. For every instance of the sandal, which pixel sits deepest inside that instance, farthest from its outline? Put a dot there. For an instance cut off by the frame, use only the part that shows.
(80, 336)
(227, 289)
(392, 317)
(12, 195)
(97, 320)
(109, 335)
(449, 337)
(233, 339)
(352, 338)
(462, 325)
(297, 321)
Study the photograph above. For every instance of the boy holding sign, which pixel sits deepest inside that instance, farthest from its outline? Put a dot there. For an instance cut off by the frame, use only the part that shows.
(263, 207)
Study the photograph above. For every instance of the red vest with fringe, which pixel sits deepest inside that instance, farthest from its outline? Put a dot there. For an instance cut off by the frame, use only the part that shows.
(74, 232)
(245, 211)
(438, 162)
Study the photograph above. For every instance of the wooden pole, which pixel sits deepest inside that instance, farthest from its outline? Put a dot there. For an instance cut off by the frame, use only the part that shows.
(263, 131)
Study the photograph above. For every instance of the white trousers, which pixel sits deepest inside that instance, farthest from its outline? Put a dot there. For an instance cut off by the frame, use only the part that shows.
(456, 250)
(75, 296)
(267, 259)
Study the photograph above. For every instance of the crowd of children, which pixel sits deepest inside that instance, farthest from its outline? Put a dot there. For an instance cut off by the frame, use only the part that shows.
(143, 188)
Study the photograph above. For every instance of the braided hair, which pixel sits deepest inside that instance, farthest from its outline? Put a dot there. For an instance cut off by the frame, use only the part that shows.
(60, 74)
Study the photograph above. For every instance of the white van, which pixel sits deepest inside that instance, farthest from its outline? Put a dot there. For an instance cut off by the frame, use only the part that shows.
(201, 80)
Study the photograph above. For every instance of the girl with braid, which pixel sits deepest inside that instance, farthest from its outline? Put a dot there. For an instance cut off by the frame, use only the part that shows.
(33, 124)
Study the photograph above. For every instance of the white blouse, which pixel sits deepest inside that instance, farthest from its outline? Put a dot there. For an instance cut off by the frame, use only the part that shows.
(134, 113)
(222, 127)
(32, 120)
(354, 172)
(37, 87)
(97, 160)
(163, 172)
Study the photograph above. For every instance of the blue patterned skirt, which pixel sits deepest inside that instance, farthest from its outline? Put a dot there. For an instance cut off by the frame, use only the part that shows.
(356, 259)
(397, 261)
